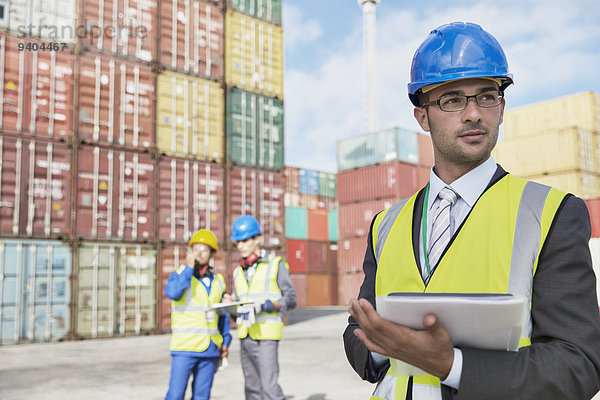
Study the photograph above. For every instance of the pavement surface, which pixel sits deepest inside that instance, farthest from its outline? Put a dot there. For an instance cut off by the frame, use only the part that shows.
(312, 362)
(311, 357)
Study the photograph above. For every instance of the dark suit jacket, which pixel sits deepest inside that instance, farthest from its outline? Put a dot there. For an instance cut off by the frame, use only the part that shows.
(563, 361)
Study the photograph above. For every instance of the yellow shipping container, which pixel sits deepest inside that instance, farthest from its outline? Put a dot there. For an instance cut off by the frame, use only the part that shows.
(253, 55)
(581, 110)
(568, 149)
(190, 114)
(581, 184)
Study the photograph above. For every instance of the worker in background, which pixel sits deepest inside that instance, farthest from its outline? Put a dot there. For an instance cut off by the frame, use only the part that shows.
(474, 228)
(199, 337)
(264, 279)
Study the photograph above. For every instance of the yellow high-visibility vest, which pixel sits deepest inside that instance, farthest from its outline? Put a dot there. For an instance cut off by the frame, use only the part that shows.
(263, 286)
(495, 251)
(193, 323)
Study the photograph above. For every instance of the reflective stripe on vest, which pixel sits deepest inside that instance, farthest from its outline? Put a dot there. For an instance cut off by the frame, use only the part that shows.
(263, 286)
(193, 324)
(521, 214)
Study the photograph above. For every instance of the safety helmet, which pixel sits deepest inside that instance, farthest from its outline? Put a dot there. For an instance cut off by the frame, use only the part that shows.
(458, 50)
(207, 237)
(244, 227)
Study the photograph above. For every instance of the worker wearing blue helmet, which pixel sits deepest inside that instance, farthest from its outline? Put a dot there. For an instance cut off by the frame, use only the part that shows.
(262, 278)
(475, 228)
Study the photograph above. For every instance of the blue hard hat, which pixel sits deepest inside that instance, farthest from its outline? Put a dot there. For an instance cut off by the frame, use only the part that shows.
(458, 50)
(244, 227)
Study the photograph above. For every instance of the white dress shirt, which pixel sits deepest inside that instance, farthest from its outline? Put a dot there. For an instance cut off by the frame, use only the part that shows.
(468, 188)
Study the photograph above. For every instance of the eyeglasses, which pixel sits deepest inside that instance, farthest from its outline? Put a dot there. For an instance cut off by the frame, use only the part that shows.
(458, 102)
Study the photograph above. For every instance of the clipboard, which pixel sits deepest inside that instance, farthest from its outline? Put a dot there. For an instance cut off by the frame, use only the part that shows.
(478, 320)
(227, 308)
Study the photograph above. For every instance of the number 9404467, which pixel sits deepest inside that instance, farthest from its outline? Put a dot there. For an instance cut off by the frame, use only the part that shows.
(43, 46)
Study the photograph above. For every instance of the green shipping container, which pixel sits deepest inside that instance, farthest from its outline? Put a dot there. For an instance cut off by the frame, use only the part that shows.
(327, 182)
(296, 223)
(254, 130)
(267, 10)
(333, 226)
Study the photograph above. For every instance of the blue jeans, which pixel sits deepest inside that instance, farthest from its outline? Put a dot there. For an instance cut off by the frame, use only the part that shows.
(203, 370)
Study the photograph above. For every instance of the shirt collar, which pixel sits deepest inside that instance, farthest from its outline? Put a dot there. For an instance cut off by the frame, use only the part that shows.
(468, 187)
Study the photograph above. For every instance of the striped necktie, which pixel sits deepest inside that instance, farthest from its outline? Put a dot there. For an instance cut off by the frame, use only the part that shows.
(440, 230)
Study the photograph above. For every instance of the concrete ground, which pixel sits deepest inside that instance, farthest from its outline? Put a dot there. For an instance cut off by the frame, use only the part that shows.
(312, 362)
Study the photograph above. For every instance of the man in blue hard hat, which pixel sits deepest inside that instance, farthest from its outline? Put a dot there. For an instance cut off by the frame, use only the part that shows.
(474, 228)
(264, 279)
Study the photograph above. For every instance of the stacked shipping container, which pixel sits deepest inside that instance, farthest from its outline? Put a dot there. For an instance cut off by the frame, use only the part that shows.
(311, 235)
(36, 181)
(557, 143)
(375, 171)
(112, 154)
(114, 173)
(255, 183)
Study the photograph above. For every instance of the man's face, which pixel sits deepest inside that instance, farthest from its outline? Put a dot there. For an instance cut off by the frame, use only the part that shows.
(248, 246)
(202, 253)
(464, 137)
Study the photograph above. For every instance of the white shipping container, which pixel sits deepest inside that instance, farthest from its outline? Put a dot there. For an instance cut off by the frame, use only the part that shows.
(54, 20)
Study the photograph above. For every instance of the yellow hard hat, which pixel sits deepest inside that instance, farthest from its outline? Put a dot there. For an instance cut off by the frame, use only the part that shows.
(207, 237)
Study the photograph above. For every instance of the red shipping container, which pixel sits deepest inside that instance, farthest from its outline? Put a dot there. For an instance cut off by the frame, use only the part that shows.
(191, 38)
(45, 111)
(318, 225)
(426, 158)
(349, 286)
(297, 255)
(334, 290)
(355, 219)
(351, 254)
(594, 209)
(115, 191)
(318, 257)
(123, 27)
(190, 197)
(35, 188)
(292, 179)
(171, 257)
(318, 290)
(423, 176)
(382, 181)
(299, 282)
(332, 256)
(259, 193)
(116, 102)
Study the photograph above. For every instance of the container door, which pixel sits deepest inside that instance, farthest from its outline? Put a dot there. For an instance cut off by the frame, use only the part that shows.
(35, 291)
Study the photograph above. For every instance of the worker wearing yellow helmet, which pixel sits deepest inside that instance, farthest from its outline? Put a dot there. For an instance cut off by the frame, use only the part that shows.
(199, 337)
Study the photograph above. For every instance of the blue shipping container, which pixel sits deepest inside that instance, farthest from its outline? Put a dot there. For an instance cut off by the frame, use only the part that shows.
(35, 290)
(309, 181)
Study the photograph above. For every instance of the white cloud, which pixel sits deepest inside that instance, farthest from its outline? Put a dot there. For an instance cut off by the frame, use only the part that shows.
(298, 29)
(552, 51)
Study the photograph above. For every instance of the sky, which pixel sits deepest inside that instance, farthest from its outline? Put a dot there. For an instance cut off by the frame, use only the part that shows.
(552, 47)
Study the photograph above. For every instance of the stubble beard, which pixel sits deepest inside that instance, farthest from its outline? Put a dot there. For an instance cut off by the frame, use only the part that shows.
(455, 154)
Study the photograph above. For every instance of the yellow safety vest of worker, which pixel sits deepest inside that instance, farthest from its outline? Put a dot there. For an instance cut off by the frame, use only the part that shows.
(495, 251)
(263, 286)
(193, 323)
